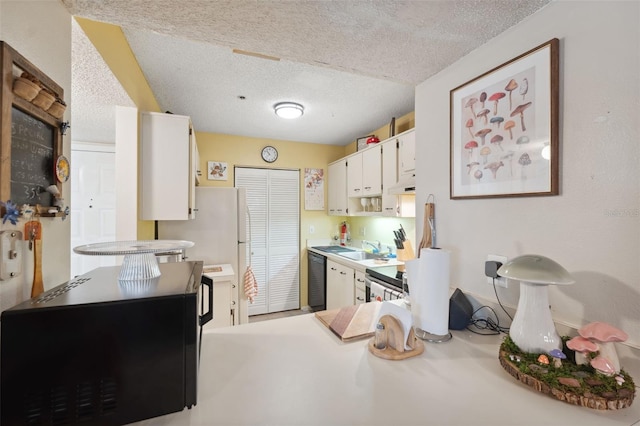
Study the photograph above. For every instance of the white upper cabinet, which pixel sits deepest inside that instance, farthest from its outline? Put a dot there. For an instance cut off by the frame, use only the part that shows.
(364, 173)
(168, 167)
(195, 161)
(406, 154)
(354, 175)
(389, 176)
(372, 171)
(337, 175)
(368, 176)
(394, 205)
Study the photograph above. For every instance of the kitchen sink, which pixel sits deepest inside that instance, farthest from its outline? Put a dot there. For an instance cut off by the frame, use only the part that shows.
(334, 249)
(360, 255)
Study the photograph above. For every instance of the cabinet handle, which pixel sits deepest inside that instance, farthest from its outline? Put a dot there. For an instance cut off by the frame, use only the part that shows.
(233, 303)
(360, 299)
(360, 280)
(343, 273)
(367, 187)
(333, 269)
(233, 286)
(356, 190)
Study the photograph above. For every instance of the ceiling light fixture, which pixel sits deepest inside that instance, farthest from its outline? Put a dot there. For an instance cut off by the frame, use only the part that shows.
(288, 110)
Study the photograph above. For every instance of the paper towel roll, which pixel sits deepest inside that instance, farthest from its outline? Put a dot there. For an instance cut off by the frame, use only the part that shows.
(428, 281)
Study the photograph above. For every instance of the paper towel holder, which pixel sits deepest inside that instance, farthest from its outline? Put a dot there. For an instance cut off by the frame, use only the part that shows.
(432, 338)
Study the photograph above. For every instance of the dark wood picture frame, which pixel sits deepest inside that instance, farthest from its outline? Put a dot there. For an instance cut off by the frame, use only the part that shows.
(504, 135)
(361, 143)
(13, 62)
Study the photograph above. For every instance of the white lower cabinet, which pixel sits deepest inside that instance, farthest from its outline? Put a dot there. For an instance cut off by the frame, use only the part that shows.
(340, 285)
(359, 287)
(222, 304)
(225, 296)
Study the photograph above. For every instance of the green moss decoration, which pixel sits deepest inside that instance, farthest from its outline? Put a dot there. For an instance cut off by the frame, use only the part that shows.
(571, 383)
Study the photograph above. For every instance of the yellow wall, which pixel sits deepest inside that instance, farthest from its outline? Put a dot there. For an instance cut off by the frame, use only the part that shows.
(245, 151)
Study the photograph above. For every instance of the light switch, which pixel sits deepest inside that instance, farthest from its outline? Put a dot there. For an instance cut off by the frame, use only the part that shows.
(10, 254)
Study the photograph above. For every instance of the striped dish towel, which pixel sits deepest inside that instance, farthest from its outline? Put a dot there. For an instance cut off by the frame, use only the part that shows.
(250, 284)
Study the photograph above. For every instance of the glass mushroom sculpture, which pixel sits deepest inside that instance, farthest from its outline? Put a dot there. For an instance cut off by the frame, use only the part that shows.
(532, 328)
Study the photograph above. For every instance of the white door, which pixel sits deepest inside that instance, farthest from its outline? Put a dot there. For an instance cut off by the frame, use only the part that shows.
(273, 198)
(93, 204)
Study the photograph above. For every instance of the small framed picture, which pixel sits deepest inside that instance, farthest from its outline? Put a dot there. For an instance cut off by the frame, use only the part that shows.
(216, 170)
(362, 142)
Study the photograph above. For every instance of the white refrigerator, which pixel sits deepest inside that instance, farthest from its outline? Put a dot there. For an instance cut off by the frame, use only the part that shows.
(220, 232)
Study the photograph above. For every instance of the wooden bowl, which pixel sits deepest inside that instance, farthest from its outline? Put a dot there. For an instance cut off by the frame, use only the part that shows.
(57, 109)
(43, 100)
(26, 89)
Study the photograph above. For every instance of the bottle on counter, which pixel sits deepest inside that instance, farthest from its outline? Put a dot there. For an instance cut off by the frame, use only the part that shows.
(380, 338)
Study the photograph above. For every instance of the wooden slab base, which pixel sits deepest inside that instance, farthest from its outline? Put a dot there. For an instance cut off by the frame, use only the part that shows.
(608, 401)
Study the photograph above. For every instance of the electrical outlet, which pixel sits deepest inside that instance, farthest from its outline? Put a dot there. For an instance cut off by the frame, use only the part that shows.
(500, 282)
(362, 231)
(312, 229)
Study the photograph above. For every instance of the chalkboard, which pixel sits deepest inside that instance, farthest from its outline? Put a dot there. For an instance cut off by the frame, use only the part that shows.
(32, 159)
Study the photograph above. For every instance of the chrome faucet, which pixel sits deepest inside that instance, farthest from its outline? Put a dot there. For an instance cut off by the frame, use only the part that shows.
(376, 248)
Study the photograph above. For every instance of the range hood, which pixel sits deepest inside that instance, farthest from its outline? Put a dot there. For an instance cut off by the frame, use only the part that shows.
(405, 186)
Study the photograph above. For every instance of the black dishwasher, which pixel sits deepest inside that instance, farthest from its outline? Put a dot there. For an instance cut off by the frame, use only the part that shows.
(317, 272)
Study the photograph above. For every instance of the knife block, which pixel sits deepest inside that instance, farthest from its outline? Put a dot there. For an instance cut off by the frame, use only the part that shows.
(405, 254)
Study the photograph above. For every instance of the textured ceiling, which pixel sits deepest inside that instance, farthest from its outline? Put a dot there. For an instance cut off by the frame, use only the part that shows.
(352, 64)
(95, 92)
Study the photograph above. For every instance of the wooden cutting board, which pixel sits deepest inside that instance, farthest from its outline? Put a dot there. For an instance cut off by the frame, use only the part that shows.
(351, 322)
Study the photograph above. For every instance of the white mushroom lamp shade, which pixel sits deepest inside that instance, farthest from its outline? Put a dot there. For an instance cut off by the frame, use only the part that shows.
(532, 328)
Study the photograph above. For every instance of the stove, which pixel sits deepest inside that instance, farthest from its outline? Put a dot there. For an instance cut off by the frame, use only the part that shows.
(388, 275)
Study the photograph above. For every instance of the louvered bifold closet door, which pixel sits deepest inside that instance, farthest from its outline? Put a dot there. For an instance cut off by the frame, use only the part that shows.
(283, 240)
(273, 200)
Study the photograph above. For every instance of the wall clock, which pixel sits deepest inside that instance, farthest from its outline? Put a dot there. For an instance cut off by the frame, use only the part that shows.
(269, 154)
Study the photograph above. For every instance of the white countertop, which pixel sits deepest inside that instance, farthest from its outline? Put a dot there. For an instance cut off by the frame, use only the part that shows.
(222, 272)
(294, 371)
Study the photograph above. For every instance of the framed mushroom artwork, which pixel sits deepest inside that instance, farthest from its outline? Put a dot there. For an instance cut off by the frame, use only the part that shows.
(504, 129)
(216, 170)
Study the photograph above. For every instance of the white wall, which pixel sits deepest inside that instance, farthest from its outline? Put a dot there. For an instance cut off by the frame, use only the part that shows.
(41, 32)
(593, 227)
